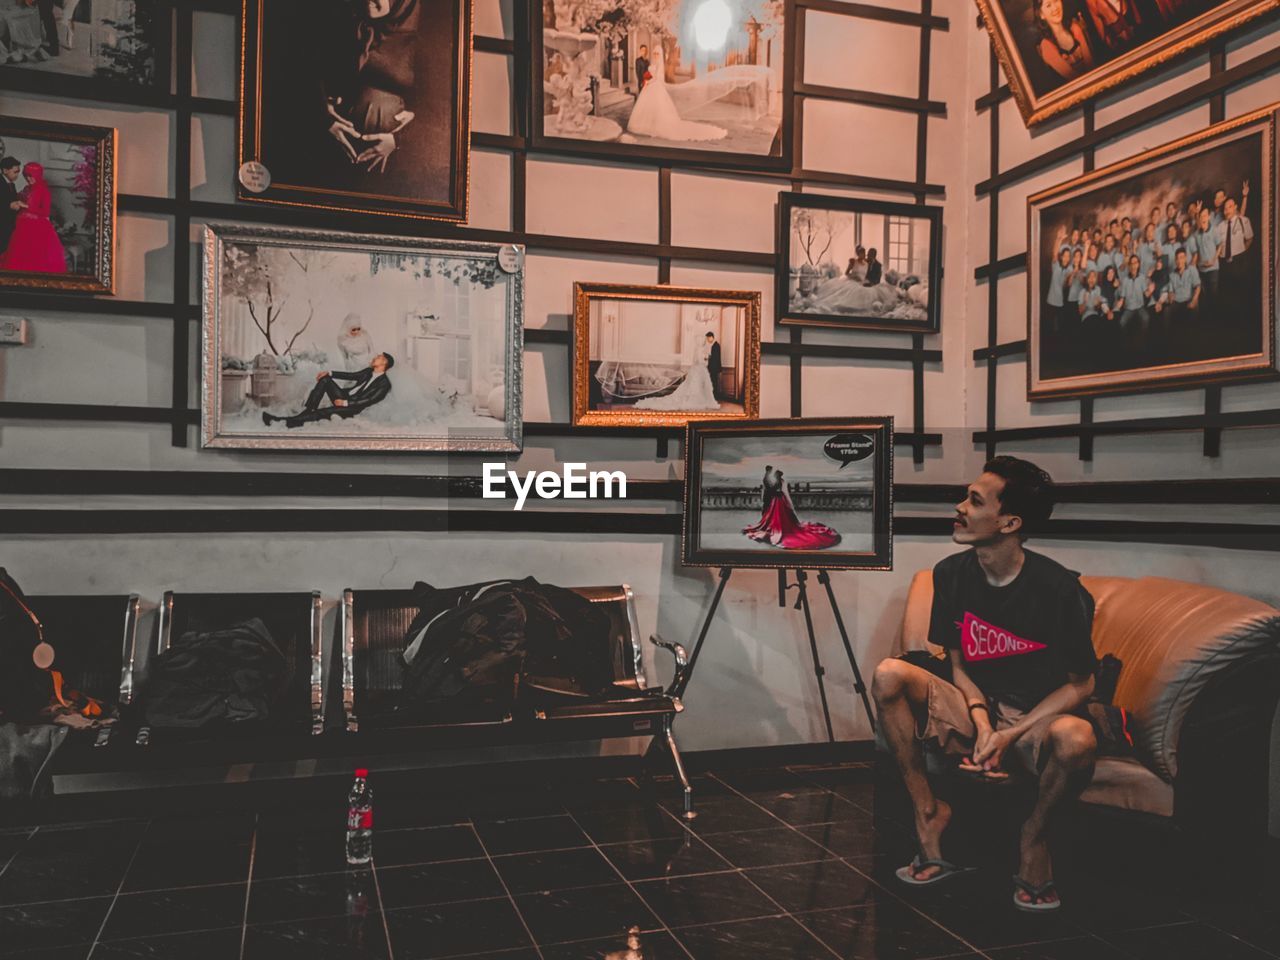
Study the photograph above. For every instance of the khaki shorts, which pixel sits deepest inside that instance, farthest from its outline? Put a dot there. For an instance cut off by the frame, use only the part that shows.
(949, 726)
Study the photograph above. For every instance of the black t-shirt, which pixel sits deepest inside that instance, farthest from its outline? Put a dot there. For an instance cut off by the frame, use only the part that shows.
(1018, 641)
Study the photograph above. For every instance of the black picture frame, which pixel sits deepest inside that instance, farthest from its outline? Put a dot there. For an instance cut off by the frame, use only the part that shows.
(530, 21)
(115, 87)
(788, 203)
(450, 183)
(736, 496)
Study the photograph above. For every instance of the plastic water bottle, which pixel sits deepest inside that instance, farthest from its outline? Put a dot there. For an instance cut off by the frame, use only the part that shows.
(360, 820)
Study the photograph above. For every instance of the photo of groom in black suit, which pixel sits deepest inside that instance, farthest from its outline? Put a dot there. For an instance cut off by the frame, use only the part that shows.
(9, 204)
(368, 386)
(768, 489)
(713, 365)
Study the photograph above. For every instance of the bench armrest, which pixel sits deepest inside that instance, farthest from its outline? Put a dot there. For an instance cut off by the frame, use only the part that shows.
(682, 664)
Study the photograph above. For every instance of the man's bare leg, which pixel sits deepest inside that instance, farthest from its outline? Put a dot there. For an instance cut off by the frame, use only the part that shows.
(901, 693)
(1072, 748)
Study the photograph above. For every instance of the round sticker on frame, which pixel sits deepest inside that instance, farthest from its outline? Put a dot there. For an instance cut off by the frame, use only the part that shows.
(254, 176)
(509, 258)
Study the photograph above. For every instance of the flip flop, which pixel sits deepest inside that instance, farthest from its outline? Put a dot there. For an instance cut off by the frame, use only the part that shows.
(1039, 902)
(946, 871)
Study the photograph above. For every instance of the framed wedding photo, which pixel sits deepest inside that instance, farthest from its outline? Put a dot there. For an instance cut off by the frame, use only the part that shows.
(865, 264)
(1057, 54)
(1158, 271)
(360, 106)
(57, 206)
(802, 494)
(69, 47)
(650, 356)
(335, 341)
(690, 81)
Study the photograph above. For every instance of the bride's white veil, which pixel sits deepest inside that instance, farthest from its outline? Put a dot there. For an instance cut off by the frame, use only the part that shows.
(657, 66)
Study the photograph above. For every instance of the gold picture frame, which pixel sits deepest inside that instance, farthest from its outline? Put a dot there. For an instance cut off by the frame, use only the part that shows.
(1046, 82)
(653, 381)
(1225, 333)
(78, 166)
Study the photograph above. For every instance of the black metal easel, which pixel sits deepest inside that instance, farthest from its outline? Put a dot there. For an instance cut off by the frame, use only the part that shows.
(802, 603)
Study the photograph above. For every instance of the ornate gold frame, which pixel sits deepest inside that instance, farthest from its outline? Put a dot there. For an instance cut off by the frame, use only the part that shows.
(1181, 39)
(584, 293)
(1162, 377)
(103, 279)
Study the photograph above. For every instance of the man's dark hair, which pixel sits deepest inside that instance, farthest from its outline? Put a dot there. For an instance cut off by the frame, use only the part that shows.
(768, 466)
(711, 335)
(8, 163)
(391, 361)
(1027, 492)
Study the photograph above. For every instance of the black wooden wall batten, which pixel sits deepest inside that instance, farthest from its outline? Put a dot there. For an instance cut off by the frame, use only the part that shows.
(1213, 421)
(184, 211)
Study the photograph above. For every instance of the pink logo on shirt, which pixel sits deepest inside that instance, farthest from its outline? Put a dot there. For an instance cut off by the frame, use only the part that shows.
(985, 641)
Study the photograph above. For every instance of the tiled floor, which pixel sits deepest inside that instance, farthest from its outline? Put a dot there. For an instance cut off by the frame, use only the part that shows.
(783, 863)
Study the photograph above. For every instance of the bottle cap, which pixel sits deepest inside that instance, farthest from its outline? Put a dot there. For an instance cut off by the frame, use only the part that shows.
(362, 772)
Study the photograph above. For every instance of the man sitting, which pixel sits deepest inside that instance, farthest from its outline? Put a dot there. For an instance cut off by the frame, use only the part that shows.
(369, 386)
(1017, 629)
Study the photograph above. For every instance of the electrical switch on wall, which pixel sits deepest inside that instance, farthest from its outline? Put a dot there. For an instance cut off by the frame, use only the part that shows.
(13, 330)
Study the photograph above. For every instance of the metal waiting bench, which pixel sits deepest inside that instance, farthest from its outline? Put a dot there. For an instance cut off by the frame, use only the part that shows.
(373, 627)
(95, 639)
(135, 747)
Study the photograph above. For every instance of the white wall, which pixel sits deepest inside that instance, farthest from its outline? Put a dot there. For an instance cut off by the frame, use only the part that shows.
(755, 684)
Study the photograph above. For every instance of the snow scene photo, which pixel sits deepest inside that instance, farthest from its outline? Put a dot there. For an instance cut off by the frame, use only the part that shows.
(854, 264)
(682, 74)
(348, 346)
(784, 492)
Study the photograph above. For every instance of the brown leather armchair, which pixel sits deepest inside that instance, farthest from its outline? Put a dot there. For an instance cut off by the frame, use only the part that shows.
(1201, 678)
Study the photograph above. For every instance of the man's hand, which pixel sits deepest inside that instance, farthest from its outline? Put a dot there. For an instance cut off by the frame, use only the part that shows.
(17, 205)
(340, 403)
(341, 129)
(383, 144)
(988, 752)
(321, 375)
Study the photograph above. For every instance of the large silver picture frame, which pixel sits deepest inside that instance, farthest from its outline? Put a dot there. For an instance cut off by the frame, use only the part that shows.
(316, 340)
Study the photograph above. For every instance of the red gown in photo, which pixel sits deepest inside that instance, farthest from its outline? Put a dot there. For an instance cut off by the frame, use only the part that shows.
(34, 246)
(781, 527)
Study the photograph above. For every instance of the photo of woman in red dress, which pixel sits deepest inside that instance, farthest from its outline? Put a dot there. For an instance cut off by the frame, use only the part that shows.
(34, 246)
(779, 525)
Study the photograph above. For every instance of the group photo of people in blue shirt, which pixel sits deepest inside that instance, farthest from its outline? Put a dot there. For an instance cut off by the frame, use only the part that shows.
(1165, 274)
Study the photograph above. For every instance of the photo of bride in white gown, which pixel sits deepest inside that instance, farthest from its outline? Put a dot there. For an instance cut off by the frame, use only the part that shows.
(663, 355)
(655, 114)
(694, 393)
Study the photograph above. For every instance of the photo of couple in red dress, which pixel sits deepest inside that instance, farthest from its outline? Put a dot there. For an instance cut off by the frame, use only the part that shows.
(28, 241)
(779, 526)
(811, 493)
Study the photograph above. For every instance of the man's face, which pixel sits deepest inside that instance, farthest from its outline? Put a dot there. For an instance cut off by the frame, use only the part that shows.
(1181, 259)
(979, 520)
(379, 363)
(1204, 220)
(644, 51)
(1134, 266)
(1230, 209)
(11, 173)
(1219, 198)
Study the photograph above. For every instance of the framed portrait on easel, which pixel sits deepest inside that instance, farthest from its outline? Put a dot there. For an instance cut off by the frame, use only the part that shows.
(363, 107)
(798, 494)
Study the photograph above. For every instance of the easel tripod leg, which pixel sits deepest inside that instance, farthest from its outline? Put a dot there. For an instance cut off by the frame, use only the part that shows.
(858, 685)
(818, 669)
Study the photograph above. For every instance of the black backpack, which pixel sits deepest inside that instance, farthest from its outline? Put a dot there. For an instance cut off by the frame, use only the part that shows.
(24, 687)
